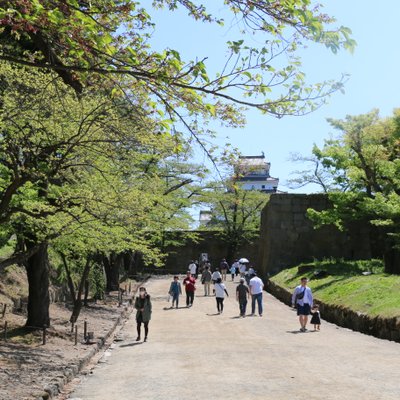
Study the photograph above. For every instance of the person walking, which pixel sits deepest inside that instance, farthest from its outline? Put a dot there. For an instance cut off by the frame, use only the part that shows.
(143, 313)
(256, 290)
(233, 272)
(220, 291)
(316, 317)
(193, 269)
(236, 264)
(242, 295)
(223, 266)
(302, 299)
(216, 275)
(175, 290)
(190, 286)
(206, 280)
(242, 269)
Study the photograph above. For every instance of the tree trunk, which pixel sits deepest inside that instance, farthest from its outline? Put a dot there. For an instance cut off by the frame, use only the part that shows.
(78, 301)
(37, 268)
(392, 261)
(233, 246)
(69, 277)
(86, 296)
(111, 268)
(129, 263)
(391, 256)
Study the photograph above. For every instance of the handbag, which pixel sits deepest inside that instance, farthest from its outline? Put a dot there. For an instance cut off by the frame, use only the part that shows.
(299, 296)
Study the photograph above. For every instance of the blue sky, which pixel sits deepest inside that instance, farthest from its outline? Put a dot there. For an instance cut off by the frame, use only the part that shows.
(374, 80)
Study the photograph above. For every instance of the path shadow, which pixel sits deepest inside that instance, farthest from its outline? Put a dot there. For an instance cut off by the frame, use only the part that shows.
(299, 331)
(131, 344)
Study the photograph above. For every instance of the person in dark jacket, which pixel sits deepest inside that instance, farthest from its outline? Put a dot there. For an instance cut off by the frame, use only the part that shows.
(143, 314)
(206, 280)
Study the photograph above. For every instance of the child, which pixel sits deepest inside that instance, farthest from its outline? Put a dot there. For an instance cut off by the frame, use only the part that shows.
(175, 290)
(316, 317)
(233, 272)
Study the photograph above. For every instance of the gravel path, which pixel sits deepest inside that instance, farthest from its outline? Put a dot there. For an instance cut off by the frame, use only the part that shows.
(195, 354)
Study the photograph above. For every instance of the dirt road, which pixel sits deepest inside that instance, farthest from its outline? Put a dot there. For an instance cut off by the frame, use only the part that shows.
(196, 354)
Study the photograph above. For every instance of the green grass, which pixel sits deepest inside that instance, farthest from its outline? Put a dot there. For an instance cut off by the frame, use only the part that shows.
(7, 250)
(377, 294)
(22, 335)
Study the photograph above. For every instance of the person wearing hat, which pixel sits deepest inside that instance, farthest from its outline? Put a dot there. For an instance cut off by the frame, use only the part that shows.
(242, 295)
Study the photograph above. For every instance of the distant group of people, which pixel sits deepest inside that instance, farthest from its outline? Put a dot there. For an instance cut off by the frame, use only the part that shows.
(250, 286)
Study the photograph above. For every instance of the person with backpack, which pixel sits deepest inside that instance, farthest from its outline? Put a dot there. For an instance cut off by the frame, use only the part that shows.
(302, 299)
(220, 291)
(190, 286)
(206, 280)
(223, 266)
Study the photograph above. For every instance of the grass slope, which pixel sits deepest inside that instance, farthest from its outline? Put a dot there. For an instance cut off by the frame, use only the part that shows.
(342, 283)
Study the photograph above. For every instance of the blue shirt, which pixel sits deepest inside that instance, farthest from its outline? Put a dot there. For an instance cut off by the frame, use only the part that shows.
(175, 288)
(307, 298)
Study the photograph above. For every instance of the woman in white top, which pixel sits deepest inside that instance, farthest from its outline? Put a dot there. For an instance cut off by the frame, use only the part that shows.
(220, 290)
(216, 275)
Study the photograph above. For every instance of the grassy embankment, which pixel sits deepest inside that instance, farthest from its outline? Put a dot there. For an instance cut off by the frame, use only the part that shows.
(344, 284)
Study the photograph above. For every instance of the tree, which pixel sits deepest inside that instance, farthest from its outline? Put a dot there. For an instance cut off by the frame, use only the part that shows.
(318, 173)
(365, 157)
(53, 139)
(87, 41)
(71, 167)
(235, 212)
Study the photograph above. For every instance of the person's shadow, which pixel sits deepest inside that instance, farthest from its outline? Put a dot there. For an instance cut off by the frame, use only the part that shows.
(173, 308)
(131, 344)
(213, 315)
(296, 332)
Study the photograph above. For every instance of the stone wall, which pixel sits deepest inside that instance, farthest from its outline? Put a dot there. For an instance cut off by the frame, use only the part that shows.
(207, 242)
(288, 237)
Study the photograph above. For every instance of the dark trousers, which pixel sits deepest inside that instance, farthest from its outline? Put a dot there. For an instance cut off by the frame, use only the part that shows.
(189, 298)
(220, 303)
(139, 322)
(242, 307)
